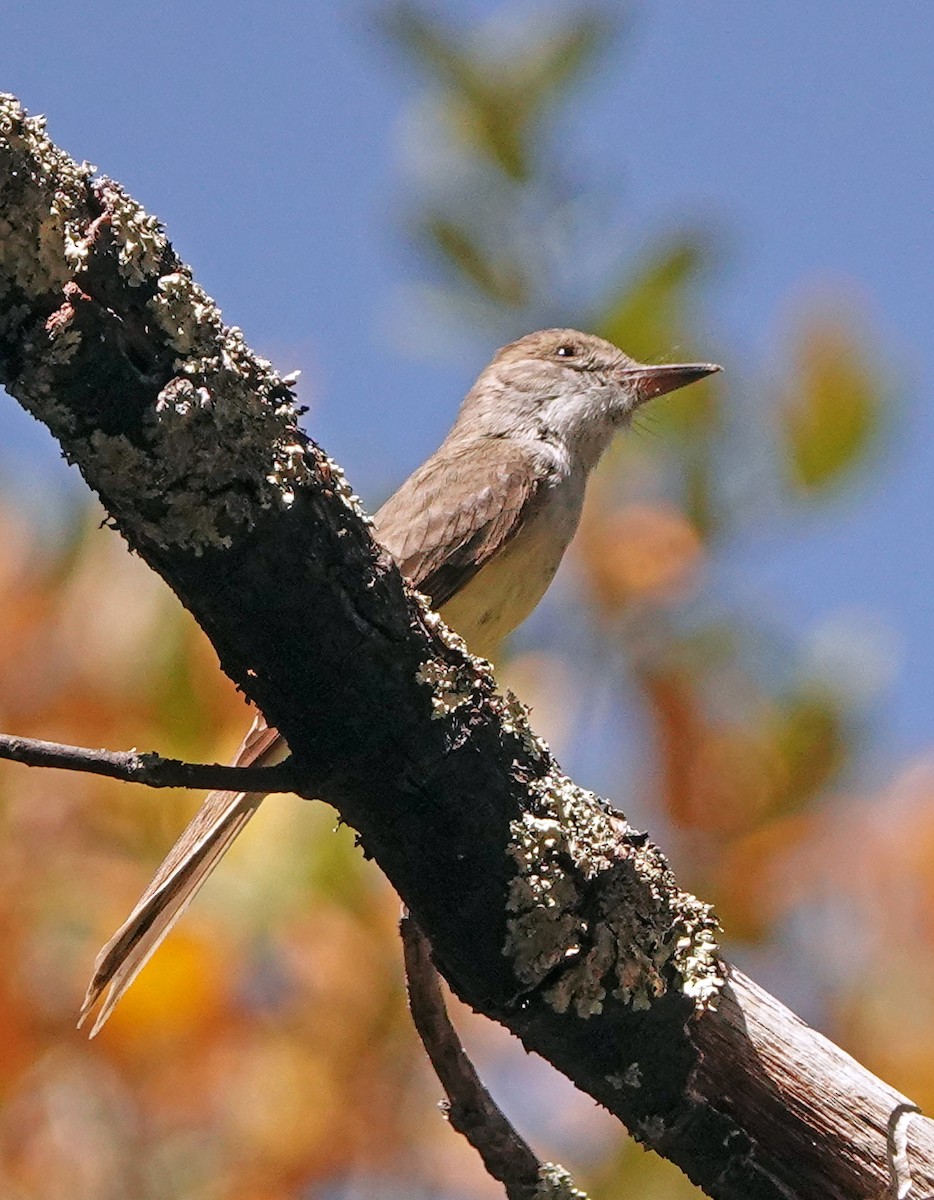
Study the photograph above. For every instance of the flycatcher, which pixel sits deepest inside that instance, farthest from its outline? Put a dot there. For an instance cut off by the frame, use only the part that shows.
(480, 528)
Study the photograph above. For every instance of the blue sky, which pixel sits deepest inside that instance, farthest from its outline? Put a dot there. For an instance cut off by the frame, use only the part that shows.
(267, 137)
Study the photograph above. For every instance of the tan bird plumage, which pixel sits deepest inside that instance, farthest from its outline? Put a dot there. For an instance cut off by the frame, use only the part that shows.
(480, 528)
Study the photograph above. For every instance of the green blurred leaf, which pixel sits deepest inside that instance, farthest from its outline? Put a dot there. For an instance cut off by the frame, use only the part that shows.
(699, 501)
(829, 416)
(427, 41)
(501, 280)
(478, 95)
(557, 60)
(814, 742)
(495, 96)
(647, 317)
(647, 312)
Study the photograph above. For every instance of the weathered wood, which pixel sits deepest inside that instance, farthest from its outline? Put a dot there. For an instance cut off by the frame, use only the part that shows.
(545, 909)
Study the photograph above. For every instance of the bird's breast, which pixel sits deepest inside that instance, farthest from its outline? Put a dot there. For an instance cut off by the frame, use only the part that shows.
(507, 588)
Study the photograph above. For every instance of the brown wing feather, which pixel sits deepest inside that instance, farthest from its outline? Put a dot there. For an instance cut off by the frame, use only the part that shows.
(441, 545)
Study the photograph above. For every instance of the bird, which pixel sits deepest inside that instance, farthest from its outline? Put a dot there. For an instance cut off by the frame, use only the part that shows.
(479, 528)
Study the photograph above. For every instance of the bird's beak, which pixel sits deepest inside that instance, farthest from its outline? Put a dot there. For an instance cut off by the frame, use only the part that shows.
(652, 381)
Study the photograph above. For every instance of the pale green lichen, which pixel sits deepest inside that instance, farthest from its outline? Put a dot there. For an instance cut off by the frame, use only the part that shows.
(451, 685)
(696, 955)
(650, 1131)
(220, 444)
(453, 682)
(437, 626)
(44, 196)
(514, 717)
(607, 913)
(555, 1183)
(342, 486)
(138, 236)
(630, 1078)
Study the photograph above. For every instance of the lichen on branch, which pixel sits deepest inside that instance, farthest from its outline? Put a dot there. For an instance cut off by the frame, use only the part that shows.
(595, 911)
(201, 433)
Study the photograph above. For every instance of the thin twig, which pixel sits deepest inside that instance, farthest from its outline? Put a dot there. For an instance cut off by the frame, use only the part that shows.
(149, 768)
(470, 1108)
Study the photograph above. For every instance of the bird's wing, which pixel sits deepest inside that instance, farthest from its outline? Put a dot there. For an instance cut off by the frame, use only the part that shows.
(203, 843)
(457, 511)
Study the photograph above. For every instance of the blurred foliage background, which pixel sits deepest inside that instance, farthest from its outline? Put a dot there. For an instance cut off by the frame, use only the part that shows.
(265, 1053)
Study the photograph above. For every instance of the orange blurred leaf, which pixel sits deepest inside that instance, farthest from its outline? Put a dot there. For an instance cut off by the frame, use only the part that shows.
(640, 551)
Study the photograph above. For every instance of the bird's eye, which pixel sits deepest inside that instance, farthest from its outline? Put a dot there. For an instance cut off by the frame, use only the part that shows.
(567, 351)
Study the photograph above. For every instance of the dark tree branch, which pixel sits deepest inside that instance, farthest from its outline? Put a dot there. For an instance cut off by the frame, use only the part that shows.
(150, 769)
(471, 1110)
(545, 910)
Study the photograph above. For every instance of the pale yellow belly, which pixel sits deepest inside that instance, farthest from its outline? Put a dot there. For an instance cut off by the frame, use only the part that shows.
(507, 589)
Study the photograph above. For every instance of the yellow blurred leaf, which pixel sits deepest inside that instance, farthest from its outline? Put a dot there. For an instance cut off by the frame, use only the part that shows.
(181, 993)
(832, 408)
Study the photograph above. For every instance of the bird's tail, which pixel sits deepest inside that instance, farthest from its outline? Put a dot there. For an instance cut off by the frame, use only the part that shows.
(191, 860)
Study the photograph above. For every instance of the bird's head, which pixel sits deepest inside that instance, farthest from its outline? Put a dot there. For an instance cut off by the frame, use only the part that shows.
(567, 387)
